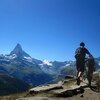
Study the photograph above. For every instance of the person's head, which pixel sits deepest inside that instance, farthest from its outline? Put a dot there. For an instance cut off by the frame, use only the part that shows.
(82, 44)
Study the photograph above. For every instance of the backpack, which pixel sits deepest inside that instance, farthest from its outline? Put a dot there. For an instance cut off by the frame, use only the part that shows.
(78, 54)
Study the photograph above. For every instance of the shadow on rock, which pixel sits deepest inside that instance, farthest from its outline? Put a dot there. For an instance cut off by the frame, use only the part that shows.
(95, 88)
(71, 93)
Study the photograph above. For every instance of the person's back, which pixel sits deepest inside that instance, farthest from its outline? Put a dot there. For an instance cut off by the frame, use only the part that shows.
(80, 54)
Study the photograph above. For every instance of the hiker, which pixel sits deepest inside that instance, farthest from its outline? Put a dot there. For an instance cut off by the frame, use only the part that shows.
(80, 54)
(91, 68)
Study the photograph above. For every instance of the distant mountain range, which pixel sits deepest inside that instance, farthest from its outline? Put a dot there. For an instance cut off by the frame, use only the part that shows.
(22, 66)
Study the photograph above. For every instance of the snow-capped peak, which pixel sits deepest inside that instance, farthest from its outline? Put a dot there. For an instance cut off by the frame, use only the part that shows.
(17, 50)
(47, 62)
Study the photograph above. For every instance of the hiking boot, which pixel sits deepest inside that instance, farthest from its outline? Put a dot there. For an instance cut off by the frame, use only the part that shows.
(89, 84)
(78, 81)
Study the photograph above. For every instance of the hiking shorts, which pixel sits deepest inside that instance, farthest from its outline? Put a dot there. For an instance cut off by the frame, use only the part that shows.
(80, 66)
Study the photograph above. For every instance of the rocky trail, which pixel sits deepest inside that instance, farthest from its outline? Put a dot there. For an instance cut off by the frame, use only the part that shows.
(65, 90)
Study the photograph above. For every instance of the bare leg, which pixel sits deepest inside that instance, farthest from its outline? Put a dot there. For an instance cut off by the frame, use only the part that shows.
(78, 77)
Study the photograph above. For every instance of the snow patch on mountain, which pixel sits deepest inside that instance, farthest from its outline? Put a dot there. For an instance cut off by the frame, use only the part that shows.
(46, 62)
(13, 56)
(29, 59)
(40, 65)
(67, 65)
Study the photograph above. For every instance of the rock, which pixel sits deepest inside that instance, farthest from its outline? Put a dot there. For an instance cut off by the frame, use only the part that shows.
(45, 88)
(82, 96)
(96, 74)
(70, 91)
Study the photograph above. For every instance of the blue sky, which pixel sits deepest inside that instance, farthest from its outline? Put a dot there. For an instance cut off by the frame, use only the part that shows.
(50, 29)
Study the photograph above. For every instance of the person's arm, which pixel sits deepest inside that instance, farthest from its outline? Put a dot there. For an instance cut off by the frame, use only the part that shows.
(87, 52)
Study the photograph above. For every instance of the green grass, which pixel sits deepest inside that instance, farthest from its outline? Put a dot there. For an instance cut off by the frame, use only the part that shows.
(43, 94)
(13, 96)
(98, 83)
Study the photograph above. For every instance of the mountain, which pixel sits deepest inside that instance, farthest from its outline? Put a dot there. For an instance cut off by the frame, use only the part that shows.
(19, 52)
(97, 63)
(9, 85)
(61, 69)
(22, 66)
(58, 69)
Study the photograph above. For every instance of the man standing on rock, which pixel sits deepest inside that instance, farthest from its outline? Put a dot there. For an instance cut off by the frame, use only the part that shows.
(80, 54)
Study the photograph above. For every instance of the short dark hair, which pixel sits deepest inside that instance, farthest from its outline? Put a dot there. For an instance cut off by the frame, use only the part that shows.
(82, 44)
